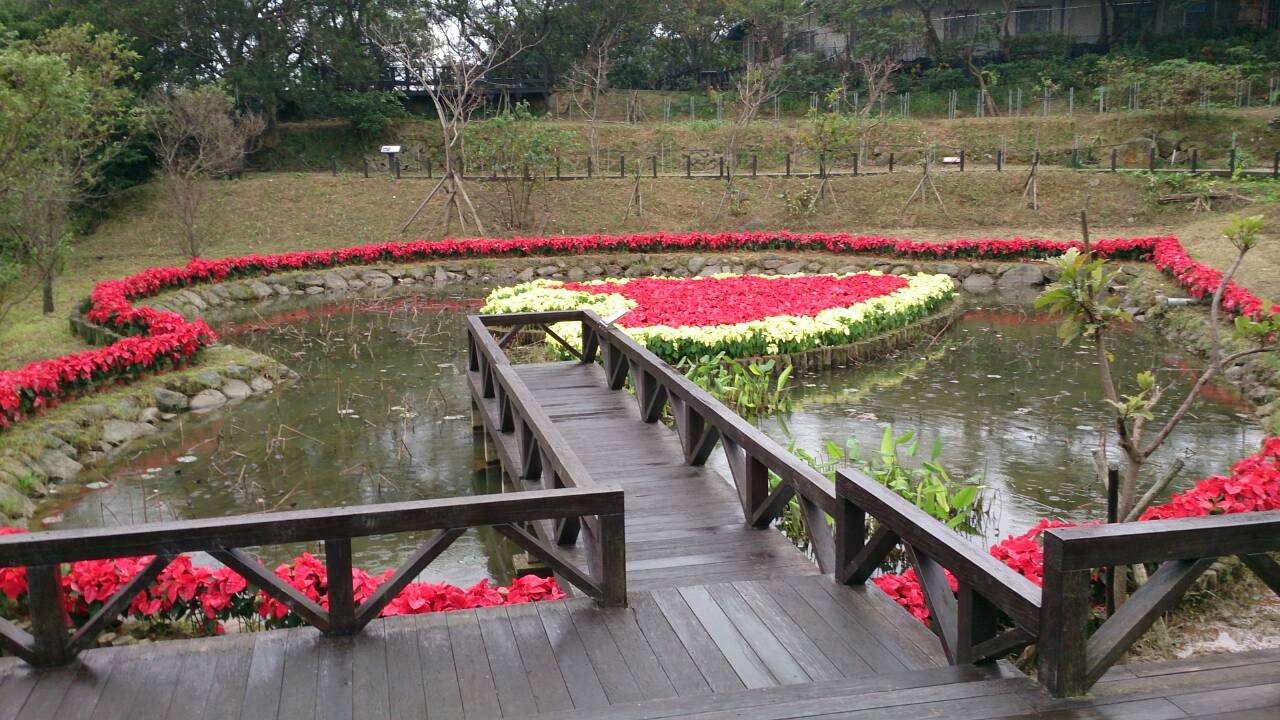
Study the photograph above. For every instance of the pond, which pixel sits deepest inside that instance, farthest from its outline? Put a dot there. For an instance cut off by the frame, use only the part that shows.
(382, 414)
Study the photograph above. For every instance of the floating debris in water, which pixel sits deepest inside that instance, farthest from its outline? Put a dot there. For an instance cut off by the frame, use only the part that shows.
(96, 485)
(994, 377)
(52, 519)
(454, 417)
(185, 459)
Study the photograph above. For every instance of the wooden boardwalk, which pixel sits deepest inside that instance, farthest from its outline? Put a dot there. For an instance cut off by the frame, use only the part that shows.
(671, 654)
(684, 523)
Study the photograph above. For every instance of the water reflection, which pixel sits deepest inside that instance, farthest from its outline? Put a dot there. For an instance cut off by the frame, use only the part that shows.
(1012, 406)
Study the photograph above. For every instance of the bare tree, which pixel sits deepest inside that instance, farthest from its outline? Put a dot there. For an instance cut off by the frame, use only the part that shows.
(756, 86)
(450, 57)
(588, 82)
(198, 135)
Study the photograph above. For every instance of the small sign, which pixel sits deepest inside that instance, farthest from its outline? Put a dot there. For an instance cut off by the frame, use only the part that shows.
(611, 319)
(390, 149)
(951, 160)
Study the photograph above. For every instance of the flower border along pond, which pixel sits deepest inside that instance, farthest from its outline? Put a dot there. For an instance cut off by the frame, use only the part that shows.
(158, 340)
(739, 315)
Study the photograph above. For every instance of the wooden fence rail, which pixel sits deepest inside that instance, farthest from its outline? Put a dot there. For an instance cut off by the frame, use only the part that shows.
(51, 642)
(1071, 659)
(968, 621)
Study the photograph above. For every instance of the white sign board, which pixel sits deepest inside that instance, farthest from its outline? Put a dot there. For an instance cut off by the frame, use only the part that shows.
(390, 149)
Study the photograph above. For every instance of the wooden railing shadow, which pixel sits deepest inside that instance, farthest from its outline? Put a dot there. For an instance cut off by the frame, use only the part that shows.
(853, 524)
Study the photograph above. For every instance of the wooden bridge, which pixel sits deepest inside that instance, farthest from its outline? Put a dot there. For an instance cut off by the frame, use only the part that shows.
(689, 604)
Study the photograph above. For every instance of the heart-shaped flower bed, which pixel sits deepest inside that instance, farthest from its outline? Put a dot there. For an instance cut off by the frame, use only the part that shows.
(739, 315)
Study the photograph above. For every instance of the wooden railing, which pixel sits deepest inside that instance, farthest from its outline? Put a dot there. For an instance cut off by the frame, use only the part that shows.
(51, 642)
(1070, 658)
(700, 420)
(993, 612)
(989, 594)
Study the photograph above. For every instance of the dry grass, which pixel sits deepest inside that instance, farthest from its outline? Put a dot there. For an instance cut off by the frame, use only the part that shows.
(279, 212)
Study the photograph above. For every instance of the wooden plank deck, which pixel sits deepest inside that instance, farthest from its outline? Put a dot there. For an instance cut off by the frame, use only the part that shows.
(666, 656)
(683, 524)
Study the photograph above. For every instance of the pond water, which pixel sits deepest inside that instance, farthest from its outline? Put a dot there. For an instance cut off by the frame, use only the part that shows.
(382, 415)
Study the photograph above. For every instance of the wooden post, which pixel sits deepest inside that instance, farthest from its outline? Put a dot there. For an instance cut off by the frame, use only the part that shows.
(962, 160)
(753, 164)
(589, 168)
(342, 607)
(1115, 152)
(1231, 167)
(688, 166)
(557, 166)
(1064, 623)
(622, 166)
(855, 164)
(395, 160)
(653, 159)
(822, 164)
(999, 160)
(890, 162)
(333, 165)
(48, 614)
(612, 563)
(1151, 159)
(428, 168)
(850, 534)
(1275, 165)
(1075, 158)
(788, 164)
(1195, 159)
(1113, 515)
(366, 168)
(721, 166)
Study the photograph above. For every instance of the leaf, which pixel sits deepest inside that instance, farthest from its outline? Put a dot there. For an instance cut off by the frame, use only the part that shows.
(965, 497)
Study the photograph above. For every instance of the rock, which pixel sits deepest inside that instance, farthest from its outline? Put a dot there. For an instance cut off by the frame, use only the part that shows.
(13, 504)
(119, 432)
(149, 415)
(442, 276)
(334, 281)
(356, 284)
(237, 372)
(282, 290)
(576, 274)
(260, 384)
(696, 263)
(207, 400)
(241, 292)
(314, 290)
(170, 401)
(1024, 275)
(947, 269)
(53, 442)
(548, 270)
(96, 410)
(979, 283)
(236, 390)
(378, 279)
(208, 378)
(791, 268)
(58, 466)
(899, 270)
(306, 279)
(193, 299)
(260, 289)
(524, 276)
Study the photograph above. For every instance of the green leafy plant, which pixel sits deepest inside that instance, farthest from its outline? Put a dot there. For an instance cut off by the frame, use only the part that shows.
(801, 203)
(750, 389)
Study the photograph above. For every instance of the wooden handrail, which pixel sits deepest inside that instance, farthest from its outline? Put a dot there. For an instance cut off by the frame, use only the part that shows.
(1071, 659)
(43, 554)
(968, 620)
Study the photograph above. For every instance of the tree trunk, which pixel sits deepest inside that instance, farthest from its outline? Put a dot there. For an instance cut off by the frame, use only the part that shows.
(47, 278)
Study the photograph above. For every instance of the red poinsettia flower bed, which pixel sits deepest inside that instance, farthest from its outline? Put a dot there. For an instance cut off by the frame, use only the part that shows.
(675, 302)
(1254, 485)
(211, 597)
(163, 339)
